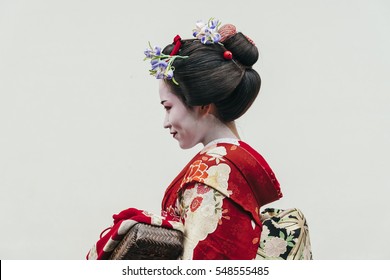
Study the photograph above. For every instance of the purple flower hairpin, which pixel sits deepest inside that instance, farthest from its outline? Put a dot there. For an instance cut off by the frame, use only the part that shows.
(162, 67)
(162, 64)
(207, 33)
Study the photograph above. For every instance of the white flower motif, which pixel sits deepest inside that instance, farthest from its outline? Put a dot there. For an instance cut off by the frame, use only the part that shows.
(218, 176)
(188, 194)
(264, 234)
(217, 154)
(199, 224)
(275, 246)
(208, 210)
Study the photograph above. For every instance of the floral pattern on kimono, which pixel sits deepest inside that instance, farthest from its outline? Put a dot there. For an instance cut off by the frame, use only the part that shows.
(218, 196)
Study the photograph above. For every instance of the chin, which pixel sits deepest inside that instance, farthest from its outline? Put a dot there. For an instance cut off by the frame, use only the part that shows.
(186, 146)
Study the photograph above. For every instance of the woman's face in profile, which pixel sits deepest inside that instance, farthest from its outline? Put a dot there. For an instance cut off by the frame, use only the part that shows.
(182, 122)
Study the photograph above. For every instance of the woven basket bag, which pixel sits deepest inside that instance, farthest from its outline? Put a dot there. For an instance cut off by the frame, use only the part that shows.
(148, 242)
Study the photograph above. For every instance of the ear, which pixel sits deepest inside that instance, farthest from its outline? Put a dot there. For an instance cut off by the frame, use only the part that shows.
(207, 109)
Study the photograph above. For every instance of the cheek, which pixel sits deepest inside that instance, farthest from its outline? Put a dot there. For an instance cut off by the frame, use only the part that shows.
(187, 123)
(179, 118)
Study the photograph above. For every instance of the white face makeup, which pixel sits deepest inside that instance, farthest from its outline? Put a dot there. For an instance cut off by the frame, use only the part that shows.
(183, 123)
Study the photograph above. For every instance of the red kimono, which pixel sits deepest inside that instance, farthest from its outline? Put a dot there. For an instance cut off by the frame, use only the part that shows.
(215, 201)
(218, 196)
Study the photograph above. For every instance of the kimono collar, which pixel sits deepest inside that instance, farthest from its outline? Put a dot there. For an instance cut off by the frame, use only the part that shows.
(233, 141)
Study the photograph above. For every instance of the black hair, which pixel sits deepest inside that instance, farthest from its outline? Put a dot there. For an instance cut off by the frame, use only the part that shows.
(205, 77)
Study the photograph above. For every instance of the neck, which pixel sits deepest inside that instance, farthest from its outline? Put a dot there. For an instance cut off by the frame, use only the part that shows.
(233, 128)
(221, 130)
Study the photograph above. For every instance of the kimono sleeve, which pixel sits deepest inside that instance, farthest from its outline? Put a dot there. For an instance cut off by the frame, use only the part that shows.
(215, 227)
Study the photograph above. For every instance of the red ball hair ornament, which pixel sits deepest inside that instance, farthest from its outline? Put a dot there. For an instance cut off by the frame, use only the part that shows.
(227, 55)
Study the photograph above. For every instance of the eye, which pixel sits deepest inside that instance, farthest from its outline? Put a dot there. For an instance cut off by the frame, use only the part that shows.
(167, 108)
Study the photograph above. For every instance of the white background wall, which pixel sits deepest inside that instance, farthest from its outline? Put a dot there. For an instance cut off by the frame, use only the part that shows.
(81, 134)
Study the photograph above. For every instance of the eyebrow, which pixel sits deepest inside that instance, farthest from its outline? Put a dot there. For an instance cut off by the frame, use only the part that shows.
(162, 102)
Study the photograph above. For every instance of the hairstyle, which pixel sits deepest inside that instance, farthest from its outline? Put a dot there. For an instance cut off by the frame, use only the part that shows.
(205, 77)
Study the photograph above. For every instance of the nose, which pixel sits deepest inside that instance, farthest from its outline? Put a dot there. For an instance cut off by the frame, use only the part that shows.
(166, 123)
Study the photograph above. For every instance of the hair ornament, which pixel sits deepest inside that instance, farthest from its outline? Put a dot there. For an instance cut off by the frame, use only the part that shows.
(250, 40)
(227, 55)
(227, 31)
(207, 33)
(162, 67)
(177, 45)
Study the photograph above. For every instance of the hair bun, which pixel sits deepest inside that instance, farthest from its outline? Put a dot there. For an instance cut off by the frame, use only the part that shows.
(243, 50)
(250, 40)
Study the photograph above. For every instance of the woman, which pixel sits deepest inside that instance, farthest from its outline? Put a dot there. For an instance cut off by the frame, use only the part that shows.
(206, 83)
(219, 193)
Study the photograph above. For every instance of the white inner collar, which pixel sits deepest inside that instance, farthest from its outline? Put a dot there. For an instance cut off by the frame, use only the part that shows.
(233, 141)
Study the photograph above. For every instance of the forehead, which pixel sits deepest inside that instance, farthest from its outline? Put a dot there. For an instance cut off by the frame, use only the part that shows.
(166, 94)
